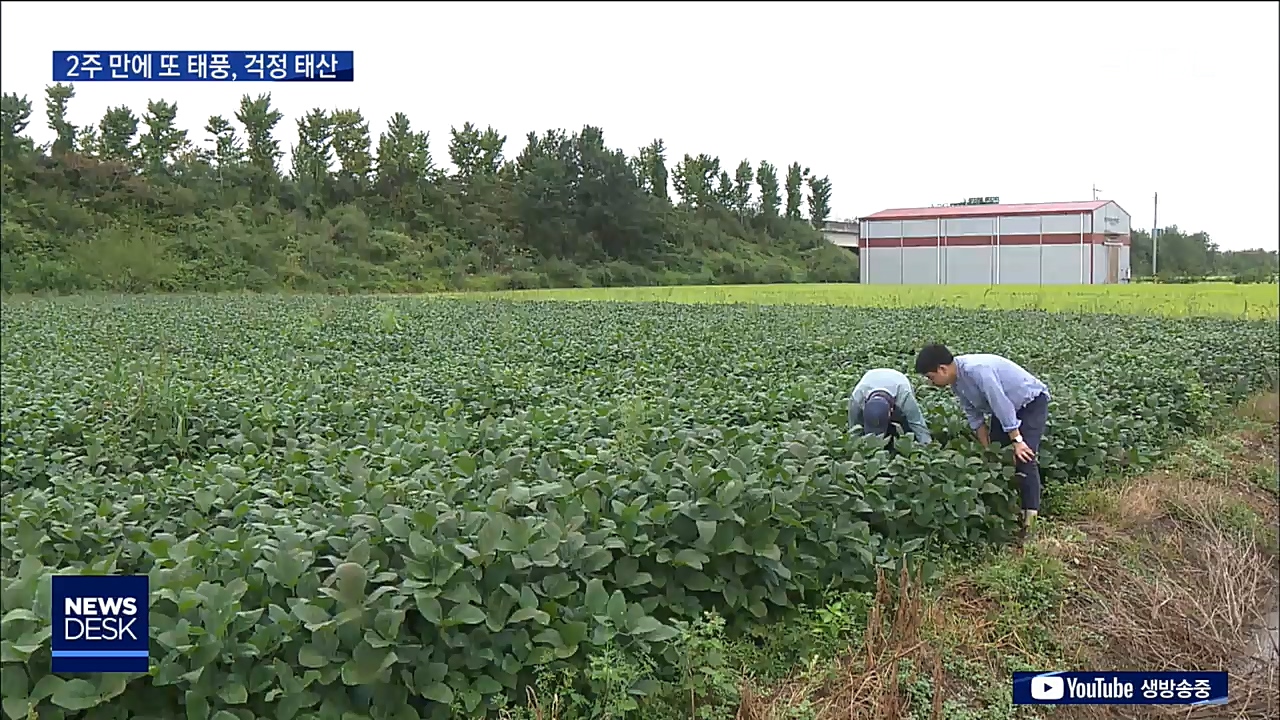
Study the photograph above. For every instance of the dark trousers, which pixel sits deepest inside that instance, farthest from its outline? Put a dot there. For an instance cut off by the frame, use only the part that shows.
(1033, 416)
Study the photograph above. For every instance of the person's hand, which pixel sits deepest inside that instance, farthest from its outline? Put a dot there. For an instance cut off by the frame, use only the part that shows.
(1023, 452)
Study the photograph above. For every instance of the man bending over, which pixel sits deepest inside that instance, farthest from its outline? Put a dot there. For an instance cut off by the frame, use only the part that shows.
(1019, 401)
(882, 397)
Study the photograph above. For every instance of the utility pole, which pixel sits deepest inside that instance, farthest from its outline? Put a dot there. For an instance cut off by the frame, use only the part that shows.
(1095, 192)
(1155, 232)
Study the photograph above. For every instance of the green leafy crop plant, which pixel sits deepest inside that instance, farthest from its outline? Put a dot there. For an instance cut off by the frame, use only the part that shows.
(402, 508)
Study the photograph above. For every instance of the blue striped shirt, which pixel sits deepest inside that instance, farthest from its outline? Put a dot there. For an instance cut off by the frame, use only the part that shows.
(993, 385)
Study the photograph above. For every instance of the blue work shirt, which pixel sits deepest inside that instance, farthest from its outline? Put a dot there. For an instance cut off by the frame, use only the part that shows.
(904, 400)
(990, 384)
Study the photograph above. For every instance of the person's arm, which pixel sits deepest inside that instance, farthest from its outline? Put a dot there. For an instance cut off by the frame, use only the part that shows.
(977, 422)
(855, 409)
(914, 417)
(1001, 407)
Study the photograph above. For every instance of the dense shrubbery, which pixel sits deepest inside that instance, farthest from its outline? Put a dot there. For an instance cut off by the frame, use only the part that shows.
(1194, 257)
(394, 508)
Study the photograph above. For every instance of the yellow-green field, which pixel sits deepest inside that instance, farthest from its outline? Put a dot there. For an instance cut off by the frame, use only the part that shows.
(1203, 299)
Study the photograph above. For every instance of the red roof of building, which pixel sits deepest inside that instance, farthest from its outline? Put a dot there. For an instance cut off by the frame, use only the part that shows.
(985, 210)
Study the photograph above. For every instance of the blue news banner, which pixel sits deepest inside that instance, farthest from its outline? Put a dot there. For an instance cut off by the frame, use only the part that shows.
(101, 623)
(203, 66)
(1120, 688)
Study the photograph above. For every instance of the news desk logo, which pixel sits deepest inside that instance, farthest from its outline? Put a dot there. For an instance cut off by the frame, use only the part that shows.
(100, 623)
(1120, 688)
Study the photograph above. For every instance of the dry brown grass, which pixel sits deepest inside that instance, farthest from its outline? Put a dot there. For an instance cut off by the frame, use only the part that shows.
(1205, 586)
(1165, 582)
(1264, 408)
(864, 684)
(1194, 612)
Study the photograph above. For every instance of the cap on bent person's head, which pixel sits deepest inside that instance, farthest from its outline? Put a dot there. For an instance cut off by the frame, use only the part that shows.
(875, 415)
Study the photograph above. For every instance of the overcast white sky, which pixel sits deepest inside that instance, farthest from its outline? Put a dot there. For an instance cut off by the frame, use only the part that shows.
(901, 104)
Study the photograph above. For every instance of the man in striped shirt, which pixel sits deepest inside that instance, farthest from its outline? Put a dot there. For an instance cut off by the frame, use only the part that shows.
(1017, 400)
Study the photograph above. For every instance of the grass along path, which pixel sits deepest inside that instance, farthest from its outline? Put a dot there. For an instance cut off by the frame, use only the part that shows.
(1212, 299)
(1175, 569)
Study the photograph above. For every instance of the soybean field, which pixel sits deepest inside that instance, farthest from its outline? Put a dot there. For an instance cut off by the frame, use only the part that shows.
(397, 508)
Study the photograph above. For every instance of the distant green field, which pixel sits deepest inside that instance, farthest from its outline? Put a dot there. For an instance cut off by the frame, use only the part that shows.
(1202, 299)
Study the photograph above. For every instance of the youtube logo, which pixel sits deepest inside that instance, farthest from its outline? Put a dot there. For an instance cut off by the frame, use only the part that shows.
(1047, 688)
(1069, 687)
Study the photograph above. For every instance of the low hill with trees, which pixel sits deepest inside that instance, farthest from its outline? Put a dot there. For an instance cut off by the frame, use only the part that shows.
(134, 204)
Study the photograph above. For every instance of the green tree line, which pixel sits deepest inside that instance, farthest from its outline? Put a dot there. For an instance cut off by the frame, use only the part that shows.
(134, 204)
(1193, 256)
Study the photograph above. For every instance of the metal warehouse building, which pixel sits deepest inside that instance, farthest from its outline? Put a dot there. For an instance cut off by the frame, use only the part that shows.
(1068, 243)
